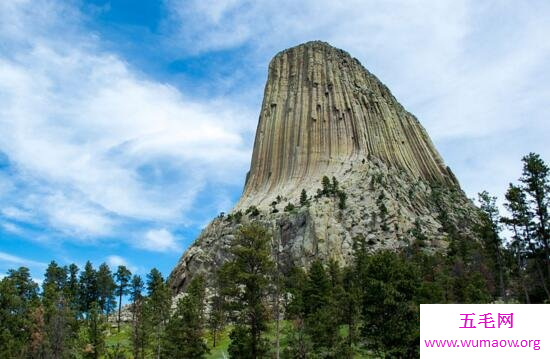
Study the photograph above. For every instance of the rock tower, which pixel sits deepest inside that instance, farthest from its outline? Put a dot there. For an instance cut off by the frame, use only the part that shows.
(324, 114)
(323, 111)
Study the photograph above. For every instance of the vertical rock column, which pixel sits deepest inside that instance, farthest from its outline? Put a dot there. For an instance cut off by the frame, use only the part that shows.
(322, 111)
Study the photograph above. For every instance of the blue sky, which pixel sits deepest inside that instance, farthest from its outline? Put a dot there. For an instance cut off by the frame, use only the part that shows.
(127, 125)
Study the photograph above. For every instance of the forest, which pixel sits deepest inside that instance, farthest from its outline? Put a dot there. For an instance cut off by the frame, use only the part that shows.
(251, 309)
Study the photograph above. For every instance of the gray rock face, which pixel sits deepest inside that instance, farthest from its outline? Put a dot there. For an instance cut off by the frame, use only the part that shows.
(323, 114)
(322, 111)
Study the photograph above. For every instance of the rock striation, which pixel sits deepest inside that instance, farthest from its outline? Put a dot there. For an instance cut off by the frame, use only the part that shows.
(322, 111)
(324, 114)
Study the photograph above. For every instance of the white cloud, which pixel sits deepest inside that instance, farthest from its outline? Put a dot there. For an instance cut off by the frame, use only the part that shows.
(16, 213)
(9, 258)
(12, 228)
(159, 240)
(93, 142)
(440, 57)
(471, 71)
(115, 261)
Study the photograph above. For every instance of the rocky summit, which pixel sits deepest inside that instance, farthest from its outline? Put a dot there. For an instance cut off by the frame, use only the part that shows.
(324, 116)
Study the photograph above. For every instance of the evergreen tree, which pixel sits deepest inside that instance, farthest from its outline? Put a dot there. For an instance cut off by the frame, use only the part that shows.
(217, 316)
(535, 178)
(320, 310)
(520, 223)
(197, 290)
(88, 291)
(18, 300)
(298, 342)
(105, 289)
(489, 231)
(391, 317)
(350, 308)
(185, 329)
(303, 198)
(53, 287)
(139, 328)
(55, 278)
(327, 187)
(335, 184)
(123, 276)
(57, 312)
(72, 288)
(95, 332)
(158, 305)
(342, 196)
(61, 328)
(249, 273)
(524, 237)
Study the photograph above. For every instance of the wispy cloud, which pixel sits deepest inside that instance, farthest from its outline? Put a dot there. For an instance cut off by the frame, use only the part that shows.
(15, 260)
(11, 228)
(93, 143)
(159, 240)
(115, 261)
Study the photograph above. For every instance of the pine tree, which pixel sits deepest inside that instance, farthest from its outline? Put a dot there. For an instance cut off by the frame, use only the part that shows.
(139, 328)
(158, 305)
(524, 237)
(342, 196)
(516, 205)
(249, 273)
(335, 184)
(53, 287)
(536, 179)
(123, 276)
(55, 277)
(321, 316)
(95, 332)
(350, 307)
(60, 320)
(489, 231)
(88, 291)
(18, 301)
(327, 187)
(217, 316)
(105, 289)
(298, 342)
(391, 317)
(72, 288)
(303, 198)
(61, 328)
(184, 333)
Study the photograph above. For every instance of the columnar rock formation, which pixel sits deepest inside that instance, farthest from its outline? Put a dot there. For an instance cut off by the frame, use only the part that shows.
(324, 114)
(322, 110)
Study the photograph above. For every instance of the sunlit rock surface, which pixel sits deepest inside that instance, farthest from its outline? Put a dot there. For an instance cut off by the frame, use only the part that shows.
(324, 114)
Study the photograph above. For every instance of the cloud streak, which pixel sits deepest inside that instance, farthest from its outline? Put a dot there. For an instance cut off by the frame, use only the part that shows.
(15, 260)
(160, 240)
(93, 144)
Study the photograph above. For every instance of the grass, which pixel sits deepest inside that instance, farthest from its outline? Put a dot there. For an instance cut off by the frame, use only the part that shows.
(222, 343)
(122, 339)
